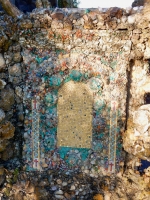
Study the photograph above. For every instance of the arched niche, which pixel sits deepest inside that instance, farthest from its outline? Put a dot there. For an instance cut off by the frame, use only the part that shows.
(74, 109)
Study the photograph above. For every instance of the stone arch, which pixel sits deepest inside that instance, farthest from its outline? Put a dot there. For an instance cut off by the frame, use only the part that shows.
(74, 109)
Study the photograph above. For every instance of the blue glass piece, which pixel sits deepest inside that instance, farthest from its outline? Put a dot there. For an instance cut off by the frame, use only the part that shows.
(118, 129)
(61, 73)
(45, 78)
(95, 84)
(55, 80)
(83, 152)
(38, 74)
(48, 123)
(49, 98)
(98, 146)
(49, 143)
(42, 117)
(76, 75)
(113, 64)
(100, 136)
(67, 79)
(120, 52)
(86, 75)
(99, 105)
(28, 168)
(112, 77)
(42, 134)
(39, 60)
(49, 149)
(104, 62)
(51, 110)
(53, 131)
(87, 11)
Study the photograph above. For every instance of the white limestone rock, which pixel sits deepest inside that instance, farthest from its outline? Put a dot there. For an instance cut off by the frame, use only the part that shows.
(131, 19)
(107, 196)
(147, 53)
(141, 120)
(145, 107)
(123, 19)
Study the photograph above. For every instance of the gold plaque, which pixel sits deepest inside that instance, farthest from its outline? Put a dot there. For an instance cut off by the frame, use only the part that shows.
(74, 108)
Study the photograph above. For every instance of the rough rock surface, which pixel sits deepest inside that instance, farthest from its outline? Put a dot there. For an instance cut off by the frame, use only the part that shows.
(137, 137)
(7, 99)
(76, 29)
(2, 62)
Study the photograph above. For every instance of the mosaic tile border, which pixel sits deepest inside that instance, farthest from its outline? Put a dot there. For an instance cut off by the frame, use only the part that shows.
(43, 81)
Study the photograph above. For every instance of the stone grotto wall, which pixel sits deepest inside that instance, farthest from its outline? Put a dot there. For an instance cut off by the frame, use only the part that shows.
(72, 90)
(75, 73)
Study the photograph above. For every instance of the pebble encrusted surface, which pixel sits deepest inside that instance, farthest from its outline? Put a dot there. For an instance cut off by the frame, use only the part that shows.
(106, 49)
(103, 69)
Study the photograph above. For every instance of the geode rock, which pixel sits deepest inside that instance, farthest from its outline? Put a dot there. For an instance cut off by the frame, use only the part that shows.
(7, 99)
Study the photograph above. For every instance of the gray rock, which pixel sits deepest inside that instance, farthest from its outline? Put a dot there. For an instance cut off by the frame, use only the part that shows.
(2, 180)
(64, 183)
(2, 84)
(14, 70)
(17, 57)
(72, 187)
(59, 192)
(18, 91)
(138, 3)
(7, 99)
(54, 188)
(2, 62)
(2, 115)
(59, 196)
(59, 181)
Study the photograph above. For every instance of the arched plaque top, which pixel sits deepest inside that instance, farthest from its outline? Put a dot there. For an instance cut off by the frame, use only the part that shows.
(74, 108)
